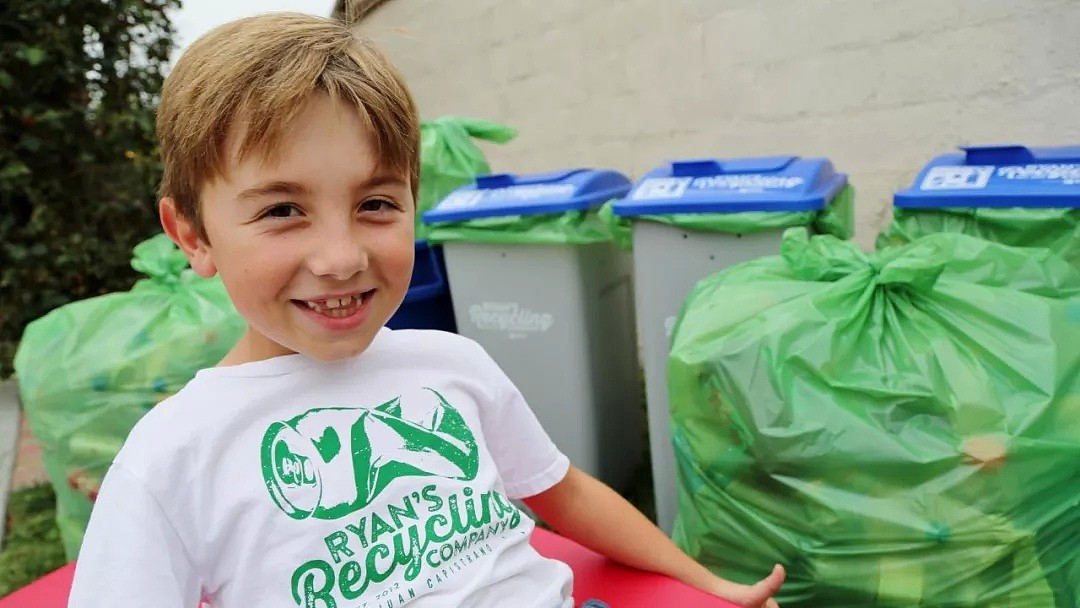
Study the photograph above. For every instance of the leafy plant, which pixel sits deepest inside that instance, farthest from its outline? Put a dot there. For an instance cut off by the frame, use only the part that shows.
(32, 546)
(78, 162)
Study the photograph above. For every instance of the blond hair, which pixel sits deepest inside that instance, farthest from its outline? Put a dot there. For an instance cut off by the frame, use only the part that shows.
(261, 71)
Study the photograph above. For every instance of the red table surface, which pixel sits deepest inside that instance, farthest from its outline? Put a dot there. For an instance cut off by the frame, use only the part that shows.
(595, 577)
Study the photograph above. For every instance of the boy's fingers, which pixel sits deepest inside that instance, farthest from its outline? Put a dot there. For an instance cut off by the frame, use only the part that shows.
(760, 595)
(774, 580)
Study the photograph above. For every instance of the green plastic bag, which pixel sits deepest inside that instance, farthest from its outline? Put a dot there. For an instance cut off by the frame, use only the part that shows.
(449, 158)
(837, 219)
(569, 228)
(1055, 229)
(901, 429)
(88, 371)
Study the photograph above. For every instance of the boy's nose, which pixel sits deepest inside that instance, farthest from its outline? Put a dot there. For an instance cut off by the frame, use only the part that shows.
(339, 256)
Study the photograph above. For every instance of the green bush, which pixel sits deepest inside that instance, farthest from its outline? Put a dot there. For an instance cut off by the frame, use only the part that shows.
(32, 546)
(78, 163)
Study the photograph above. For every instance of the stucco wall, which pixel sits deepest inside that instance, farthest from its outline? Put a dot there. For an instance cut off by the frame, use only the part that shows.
(879, 86)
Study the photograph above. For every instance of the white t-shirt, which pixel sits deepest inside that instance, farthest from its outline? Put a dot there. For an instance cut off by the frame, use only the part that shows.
(377, 482)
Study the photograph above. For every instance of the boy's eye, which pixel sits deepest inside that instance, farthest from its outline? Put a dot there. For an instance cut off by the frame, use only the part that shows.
(281, 211)
(377, 204)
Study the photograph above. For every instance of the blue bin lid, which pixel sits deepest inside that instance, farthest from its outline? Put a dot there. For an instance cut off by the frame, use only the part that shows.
(504, 194)
(997, 176)
(772, 183)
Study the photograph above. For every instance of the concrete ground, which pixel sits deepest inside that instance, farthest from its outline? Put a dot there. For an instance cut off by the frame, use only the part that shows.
(20, 455)
(9, 437)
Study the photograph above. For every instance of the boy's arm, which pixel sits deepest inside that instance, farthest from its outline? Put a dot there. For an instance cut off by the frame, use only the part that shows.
(592, 514)
(131, 556)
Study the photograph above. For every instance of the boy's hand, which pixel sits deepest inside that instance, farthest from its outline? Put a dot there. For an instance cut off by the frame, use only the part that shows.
(585, 510)
(758, 595)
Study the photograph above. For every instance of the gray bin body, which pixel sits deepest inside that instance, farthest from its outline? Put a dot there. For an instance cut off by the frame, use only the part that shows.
(668, 262)
(559, 320)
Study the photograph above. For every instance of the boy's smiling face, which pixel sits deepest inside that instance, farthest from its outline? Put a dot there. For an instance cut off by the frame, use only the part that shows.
(314, 245)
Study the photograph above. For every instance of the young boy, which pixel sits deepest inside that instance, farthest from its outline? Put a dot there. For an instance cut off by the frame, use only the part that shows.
(326, 461)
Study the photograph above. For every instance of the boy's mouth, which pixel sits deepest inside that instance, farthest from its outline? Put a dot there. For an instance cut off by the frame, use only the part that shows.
(337, 307)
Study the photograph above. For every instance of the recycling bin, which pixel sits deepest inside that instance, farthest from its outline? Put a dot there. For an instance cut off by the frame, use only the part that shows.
(693, 218)
(1013, 195)
(537, 280)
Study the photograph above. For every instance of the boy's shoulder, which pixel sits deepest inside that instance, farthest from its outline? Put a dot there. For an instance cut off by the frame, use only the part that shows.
(400, 337)
(406, 337)
(431, 346)
(172, 423)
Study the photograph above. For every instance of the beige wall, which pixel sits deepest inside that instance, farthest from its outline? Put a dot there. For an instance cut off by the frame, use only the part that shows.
(879, 86)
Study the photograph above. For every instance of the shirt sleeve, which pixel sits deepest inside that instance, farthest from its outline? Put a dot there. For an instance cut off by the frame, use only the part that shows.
(528, 460)
(131, 556)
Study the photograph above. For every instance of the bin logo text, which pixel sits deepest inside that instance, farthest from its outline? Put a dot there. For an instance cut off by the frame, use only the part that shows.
(978, 177)
(655, 188)
(509, 317)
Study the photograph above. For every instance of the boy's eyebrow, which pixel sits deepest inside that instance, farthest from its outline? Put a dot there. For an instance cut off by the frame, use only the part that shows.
(294, 189)
(277, 187)
(384, 179)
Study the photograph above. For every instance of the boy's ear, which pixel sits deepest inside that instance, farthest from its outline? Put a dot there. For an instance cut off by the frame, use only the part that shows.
(187, 238)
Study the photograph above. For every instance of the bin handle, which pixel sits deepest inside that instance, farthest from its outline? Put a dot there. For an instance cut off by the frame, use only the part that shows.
(706, 167)
(494, 180)
(998, 155)
(506, 180)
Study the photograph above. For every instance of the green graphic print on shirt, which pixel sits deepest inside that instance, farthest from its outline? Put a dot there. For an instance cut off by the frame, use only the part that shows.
(331, 463)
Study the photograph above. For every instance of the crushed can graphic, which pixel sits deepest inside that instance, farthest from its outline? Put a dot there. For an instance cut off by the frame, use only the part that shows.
(330, 462)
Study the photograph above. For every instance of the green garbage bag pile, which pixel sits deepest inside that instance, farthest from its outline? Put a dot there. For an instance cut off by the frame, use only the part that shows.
(837, 219)
(901, 429)
(1057, 230)
(449, 158)
(89, 370)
